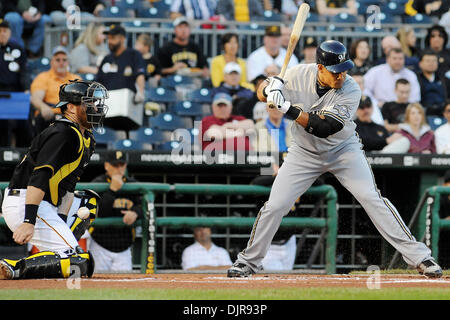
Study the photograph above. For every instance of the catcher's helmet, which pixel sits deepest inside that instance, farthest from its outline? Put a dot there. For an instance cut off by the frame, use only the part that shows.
(88, 93)
(333, 56)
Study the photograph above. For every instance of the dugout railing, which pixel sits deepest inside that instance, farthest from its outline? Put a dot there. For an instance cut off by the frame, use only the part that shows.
(151, 221)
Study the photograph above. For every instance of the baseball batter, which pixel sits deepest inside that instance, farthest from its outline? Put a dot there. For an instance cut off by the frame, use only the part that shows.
(322, 99)
(41, 191)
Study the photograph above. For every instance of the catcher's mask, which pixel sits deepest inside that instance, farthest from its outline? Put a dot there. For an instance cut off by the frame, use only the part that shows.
(90, 94)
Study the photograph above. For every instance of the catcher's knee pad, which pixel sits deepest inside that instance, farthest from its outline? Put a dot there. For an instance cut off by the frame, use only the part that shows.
(49, 264)
(90, 200)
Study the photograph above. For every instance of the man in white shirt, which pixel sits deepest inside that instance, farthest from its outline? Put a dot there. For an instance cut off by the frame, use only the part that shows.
(204, 254)
(442, 134)
(271, 53)
(379, 81)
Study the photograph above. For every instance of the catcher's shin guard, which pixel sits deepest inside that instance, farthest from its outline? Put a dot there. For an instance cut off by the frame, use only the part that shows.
(49, 264)
(89, 199)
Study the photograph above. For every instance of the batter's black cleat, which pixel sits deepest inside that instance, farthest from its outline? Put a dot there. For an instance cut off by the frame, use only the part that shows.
(239, 270)
(430, 269)
(6, 270)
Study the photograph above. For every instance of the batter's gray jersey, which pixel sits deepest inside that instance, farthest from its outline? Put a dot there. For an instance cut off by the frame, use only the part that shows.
(340, 104)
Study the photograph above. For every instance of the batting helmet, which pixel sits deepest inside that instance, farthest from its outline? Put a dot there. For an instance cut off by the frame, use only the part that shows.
(334, 56)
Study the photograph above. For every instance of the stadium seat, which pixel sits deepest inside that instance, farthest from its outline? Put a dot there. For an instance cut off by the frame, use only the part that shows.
(129, 4)
(435, 121)
(136, 24)
(344, 18)
(149, 135)
(174, 80)
(105, 137)
(161, 95)
(251, 26)
(113, 12)
(333, 27)
(418, 19)
(87, 76)
(313, 17)
(272, 16)
(393, 8)
(128, 144)
(37, 66)
(153, 12)
(167, 121)
(202, 95)
(187, 108)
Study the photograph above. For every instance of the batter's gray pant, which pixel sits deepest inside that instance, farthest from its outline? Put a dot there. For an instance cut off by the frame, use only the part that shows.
(349, 164)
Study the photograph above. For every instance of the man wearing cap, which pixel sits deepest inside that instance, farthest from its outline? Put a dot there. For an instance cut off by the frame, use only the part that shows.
(309, 50)
(223, 130)
(123, 67)
(45, 88)
(181, 53)
(13, 68)
(270, 53)
(231, 85)
(111, 247)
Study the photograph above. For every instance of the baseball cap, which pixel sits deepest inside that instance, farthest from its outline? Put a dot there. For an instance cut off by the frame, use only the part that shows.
(117, 156)
(222, 98)
(179, 21)
(115, 29)
(365, 102)
(59, 49)
(4, 23)
(232, 67)
(273, 31)
(310, 42)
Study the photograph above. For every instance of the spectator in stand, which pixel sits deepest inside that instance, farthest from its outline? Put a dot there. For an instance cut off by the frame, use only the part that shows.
(377, 117)
(193, 9)
(391, 42)
(45, 89)
(394, 111)
(418, 132)
(379, 81)
(375, 137)
(442, 134)
(230, 47)
(334, 7)
(360, 55)
(21, 16)
(235, 10)
(230, 85)
(123, 67)
(15, 77)
(427, 7)
(181, 54)
(203, 254)
(89, 50)
(111, 247)
(408, 41)
(309, 50)
(143, 44)
(89, 9)
(436, 40)
(432, 86)
(270, 53)
(222, 129)
(274, 133)
(444, 213)
(250, 108)
(286, 31)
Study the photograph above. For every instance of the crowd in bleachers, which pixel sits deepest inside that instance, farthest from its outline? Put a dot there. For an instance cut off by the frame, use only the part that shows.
(405, 105)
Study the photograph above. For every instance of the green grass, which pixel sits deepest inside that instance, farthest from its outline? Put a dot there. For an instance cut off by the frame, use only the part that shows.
(230, 294)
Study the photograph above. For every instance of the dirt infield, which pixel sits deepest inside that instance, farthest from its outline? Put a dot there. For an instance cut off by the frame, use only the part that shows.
(217, 281)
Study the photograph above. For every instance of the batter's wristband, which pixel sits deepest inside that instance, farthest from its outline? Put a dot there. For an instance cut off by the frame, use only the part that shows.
(293, 113)
(31, 213)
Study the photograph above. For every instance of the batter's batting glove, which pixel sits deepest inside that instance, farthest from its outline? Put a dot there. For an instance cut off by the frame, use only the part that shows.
(276, 98)
(275, 83)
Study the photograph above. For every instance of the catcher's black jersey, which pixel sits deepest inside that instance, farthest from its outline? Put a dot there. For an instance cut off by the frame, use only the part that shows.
(62, 149)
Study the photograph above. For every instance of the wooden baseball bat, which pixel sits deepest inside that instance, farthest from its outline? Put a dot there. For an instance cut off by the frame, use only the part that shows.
(299, 23)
